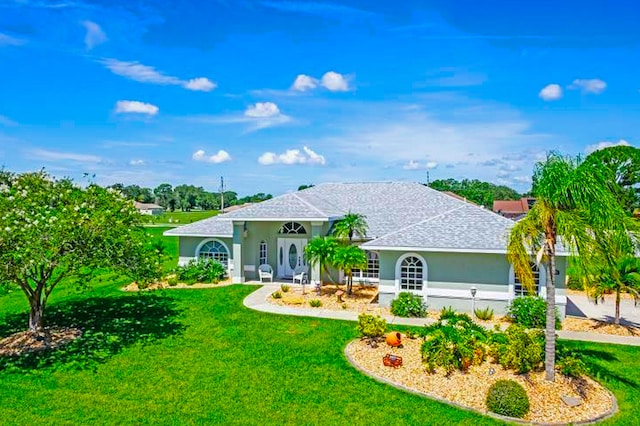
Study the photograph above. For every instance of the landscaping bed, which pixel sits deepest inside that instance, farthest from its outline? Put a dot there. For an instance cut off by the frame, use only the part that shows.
(29, 341)
(470, 389)
(163, 285)
(597, 326)
(363, 299)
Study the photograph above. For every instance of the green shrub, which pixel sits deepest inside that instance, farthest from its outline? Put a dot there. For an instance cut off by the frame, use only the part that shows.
(485, 314)
(570, 363)
(508, 398)
(315, 303)
(201, 271)
(447, 312)
(371, 326)
(530, 312)
(285, 288)
(276, 295)
(408, 305)
(454, 343)
(519, 349)
(172, 281)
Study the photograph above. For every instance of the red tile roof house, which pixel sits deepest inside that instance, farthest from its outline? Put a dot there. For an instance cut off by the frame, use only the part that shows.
(419, 240)
(513, 209)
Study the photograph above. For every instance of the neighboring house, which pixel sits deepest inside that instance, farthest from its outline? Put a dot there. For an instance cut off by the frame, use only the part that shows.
(149, 208)
(419, 240)
(513, 209)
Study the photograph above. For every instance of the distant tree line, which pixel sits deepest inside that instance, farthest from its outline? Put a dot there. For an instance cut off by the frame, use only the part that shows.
(479, 192)
(186, 197)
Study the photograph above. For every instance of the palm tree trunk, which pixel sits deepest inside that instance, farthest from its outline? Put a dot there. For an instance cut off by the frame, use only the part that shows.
(617, 320)
(550, 331)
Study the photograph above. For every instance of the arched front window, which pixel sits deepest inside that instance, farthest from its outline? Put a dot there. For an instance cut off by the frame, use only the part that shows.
(538, 279)
(215, 250)
(263, 253)
(292, 228)
(412, 273)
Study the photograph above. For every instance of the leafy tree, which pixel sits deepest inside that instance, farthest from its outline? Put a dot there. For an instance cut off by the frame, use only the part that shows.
(575, 201)
(320, 251)
(349, 225)
(137, 193)
(186, 196)
(52, 231)
(256, 198)
(482, 193)
(623, 162)
(348, 258)
(164, 196)
(302, 187)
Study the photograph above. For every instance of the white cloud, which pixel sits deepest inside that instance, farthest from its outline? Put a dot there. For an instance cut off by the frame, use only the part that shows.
(551, 92)
(262, 109)
(136, 107)
(304, 82)
(220, 157)
(416, 165)
(335, 82)
(44, 154)
(292, 156)
(594, 85)
(94, 36)
(200, 84)
(7, 40)
(136, 71)
(137, 163)
(605, 144)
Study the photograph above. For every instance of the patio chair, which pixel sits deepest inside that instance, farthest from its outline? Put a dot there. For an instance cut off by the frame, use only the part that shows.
(265, 271)
(300, 274)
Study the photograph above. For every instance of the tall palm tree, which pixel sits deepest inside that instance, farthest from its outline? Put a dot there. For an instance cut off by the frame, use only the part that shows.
(623, 277)
(348, 258)
(319, 251)
(349, 225)
(576, 202)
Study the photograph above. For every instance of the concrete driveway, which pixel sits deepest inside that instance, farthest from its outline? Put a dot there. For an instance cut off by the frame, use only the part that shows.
(580, 306)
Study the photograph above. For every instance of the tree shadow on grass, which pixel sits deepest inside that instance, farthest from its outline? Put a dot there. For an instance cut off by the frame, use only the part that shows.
(593, 359)
(108, 324)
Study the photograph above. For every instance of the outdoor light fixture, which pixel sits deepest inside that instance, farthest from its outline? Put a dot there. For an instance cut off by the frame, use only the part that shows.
(474, 290)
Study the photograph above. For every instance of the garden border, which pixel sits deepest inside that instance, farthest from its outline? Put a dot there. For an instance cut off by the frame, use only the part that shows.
(380, 379)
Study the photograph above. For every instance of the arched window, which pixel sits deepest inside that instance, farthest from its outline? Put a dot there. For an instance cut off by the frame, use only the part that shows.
(292, 228)
(412, 273)
(215, 250)
(263, 253)
(373, 268)
(539, 280)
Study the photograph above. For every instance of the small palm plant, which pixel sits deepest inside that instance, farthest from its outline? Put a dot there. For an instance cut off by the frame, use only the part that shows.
(319, 251)
(350, 225)
(348, 258)
(622, 277)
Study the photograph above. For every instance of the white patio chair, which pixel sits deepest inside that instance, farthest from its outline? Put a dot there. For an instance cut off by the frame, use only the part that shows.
(300, 274)
(265, 271)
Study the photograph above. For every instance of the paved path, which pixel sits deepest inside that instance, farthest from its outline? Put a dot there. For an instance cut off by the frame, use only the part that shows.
(579, 305)
(258, 302)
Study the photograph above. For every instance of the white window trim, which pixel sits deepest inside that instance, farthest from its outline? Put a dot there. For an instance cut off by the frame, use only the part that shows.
(266, 253)
(542, 285)
(229, 258)
(425, 274)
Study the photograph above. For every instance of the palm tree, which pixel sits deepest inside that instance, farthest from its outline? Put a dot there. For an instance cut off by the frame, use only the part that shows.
(348, 258)
(624, 276)
(349, 225)
(319, 251)
(574, 201)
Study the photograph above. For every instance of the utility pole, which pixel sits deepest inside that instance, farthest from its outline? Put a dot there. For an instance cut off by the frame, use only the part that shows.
(428, 182)
(221, 194)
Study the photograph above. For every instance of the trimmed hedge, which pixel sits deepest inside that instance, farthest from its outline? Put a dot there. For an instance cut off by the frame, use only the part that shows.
(508, 398)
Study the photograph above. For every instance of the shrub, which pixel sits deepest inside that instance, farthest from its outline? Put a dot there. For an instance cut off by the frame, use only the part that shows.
(315, 303)
(371, 326)
(408, 305)
(485, 314)
(454, 343)
(447, 312)
(201, 271)
(172, 281)
(570, 363)
(518, 348)
(284, 288)
(276, 295)
(530, 312)
(508, 398)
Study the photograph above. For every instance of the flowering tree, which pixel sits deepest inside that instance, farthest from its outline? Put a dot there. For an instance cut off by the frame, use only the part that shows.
(52, 231)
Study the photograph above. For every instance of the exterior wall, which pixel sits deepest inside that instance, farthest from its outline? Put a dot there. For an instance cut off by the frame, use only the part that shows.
(151, 212)
(450, 276)
(188, 247)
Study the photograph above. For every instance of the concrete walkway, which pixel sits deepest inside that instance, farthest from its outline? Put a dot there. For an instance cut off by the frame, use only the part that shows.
(258, 302)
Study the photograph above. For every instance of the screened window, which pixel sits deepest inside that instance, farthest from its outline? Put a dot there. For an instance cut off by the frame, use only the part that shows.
(263, 253)
(520, 290)
(214, 250)
(373, 267)
(292, 228)
(411, 273)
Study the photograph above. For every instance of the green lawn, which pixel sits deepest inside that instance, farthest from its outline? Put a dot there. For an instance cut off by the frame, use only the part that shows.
(181, 218)
(199, 356)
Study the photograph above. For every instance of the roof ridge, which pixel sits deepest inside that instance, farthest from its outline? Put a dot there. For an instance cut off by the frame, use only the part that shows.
(421, 222)
(309, 204)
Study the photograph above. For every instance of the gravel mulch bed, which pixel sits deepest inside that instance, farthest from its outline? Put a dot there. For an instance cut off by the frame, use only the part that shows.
(597, 326)
(363, 299)
(470, 389)
(29, 341)
(163, 285)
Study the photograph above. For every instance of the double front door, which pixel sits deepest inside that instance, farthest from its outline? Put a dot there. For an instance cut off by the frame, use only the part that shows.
(291, 256)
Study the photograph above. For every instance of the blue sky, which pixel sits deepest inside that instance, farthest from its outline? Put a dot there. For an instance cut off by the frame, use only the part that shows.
(272, 94)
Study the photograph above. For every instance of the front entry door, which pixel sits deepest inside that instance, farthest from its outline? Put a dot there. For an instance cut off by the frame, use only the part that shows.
(291, 256)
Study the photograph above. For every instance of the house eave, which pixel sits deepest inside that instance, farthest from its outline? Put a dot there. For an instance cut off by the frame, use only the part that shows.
(442, 249)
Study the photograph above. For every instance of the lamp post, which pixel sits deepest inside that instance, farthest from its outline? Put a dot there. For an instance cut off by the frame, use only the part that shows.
(474, 291)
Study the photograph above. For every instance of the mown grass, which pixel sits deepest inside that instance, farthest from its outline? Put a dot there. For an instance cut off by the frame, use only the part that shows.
(198, 357)
(181, 218)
